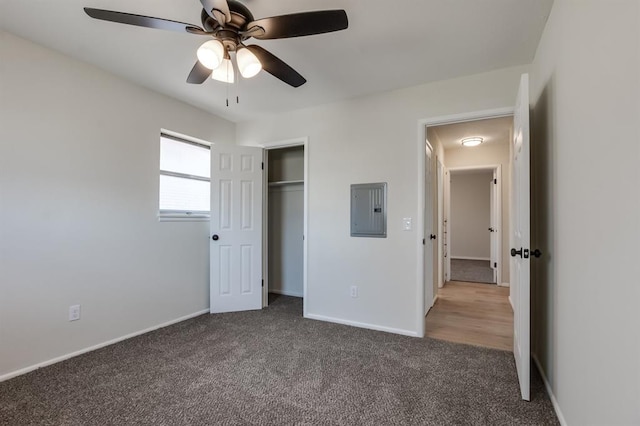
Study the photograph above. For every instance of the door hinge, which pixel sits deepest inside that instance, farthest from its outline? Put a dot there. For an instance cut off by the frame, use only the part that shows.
(424, 241)
(495, 264)
(263, 165)
(262, 283)
(495, 181)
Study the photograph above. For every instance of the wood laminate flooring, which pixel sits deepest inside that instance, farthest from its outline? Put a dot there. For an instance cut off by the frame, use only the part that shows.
(472, 313)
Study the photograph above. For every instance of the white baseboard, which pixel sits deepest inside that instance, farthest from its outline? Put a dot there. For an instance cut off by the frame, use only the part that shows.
(504, 285)
(362, 325)
(552, 397)
(33, 367)
(285, 292)
(470, 258)
(511, 303)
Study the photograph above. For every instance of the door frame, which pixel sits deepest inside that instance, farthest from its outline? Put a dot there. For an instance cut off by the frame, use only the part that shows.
(422, 136)
(267, 146)
(497, 168)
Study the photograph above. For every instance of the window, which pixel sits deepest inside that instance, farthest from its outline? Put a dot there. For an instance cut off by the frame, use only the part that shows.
(184, 178)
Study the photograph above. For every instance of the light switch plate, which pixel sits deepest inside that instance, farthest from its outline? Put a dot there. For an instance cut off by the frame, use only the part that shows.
(406, 223)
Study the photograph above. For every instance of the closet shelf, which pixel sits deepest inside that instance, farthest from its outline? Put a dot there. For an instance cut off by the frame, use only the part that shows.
(286, 182)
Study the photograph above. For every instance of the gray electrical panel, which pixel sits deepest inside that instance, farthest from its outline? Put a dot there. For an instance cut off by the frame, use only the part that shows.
(369, 210)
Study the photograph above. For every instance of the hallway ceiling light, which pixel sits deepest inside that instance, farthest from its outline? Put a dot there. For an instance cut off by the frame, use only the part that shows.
(475, 141)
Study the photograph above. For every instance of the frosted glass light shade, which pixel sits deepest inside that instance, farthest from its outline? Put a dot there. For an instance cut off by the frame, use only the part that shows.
(248, 63)
(210, 54)
(224, 72)
(472, 141)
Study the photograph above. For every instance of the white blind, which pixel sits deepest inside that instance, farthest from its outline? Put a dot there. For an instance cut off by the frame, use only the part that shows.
(184, 177)
(184, 157)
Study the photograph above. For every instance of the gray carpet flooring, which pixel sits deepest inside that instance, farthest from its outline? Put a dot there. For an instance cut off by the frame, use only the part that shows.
(274, 367)
(476, 271)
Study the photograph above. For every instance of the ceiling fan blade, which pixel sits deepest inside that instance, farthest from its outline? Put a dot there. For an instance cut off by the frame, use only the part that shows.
(218, 10)
(143, 21)
(199, 74)
(301, 24)
(276, 67)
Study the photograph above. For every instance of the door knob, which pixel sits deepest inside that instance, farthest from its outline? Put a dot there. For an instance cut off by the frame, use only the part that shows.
(432, 237)
(490, 229)
(515, 252)
(215, 237)
(536, 253)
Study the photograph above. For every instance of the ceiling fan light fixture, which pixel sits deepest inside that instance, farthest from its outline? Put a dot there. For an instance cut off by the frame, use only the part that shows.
(211, 54)
(475, 141)
(224, 72)
(248, 63)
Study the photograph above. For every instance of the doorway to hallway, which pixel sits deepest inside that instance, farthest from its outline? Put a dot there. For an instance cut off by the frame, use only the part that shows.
(472, 313)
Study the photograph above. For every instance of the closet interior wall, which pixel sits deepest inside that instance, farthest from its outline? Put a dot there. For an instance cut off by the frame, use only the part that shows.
(286, 220)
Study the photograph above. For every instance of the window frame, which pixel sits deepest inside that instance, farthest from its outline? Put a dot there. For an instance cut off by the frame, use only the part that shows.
(183, 215)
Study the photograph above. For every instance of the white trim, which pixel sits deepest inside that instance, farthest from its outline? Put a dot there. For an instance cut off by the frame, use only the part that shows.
(186, 137)
(487, 168)
(511, 303)
(304, 140)
(470, 258)
(552, 397)
(363, 325)
(420, 247)
(467, 116)
(98, 346)
(422, 136)
(183, 217)
(285, 292)
(287, 143)
(504, 284)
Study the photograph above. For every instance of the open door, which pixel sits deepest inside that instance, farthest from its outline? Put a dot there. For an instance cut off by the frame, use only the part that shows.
(429, 236)
(493, 225)
(236, 228)
(446, 226)
(520, 238)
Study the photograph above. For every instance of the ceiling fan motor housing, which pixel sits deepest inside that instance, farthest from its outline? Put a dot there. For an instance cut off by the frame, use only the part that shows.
(229, 34)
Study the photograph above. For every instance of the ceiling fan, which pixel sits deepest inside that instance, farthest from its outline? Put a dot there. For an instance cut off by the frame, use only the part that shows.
(230, 24)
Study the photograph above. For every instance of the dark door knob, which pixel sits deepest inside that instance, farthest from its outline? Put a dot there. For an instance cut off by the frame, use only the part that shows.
(490, 229)
(536, 253)
(215, 237)
(515, 252)
(432, 237)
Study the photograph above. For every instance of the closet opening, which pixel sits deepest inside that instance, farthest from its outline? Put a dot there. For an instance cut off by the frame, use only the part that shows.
(285, 219)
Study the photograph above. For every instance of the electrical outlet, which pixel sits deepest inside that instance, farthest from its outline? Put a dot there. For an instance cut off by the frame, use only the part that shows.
(354, 291)
(74, 312)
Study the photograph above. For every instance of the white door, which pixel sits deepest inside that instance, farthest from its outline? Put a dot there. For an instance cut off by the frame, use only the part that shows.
(428, 229)
(519, 265)
(439, 242)
(236, 228)
(493, 225)
(446, 234)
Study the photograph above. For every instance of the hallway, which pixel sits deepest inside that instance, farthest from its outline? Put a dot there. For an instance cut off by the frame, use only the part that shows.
(472, 313)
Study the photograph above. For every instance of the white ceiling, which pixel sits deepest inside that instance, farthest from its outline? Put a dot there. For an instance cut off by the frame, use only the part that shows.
(493, 131)
(388, 45)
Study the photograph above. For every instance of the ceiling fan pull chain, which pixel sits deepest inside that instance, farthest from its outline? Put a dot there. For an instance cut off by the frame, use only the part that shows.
(237, 80)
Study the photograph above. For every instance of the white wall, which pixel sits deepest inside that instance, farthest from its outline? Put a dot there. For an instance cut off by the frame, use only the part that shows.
(372, 139)
(585, 95)
(470, 215)
(488, 155)
(79, 156)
